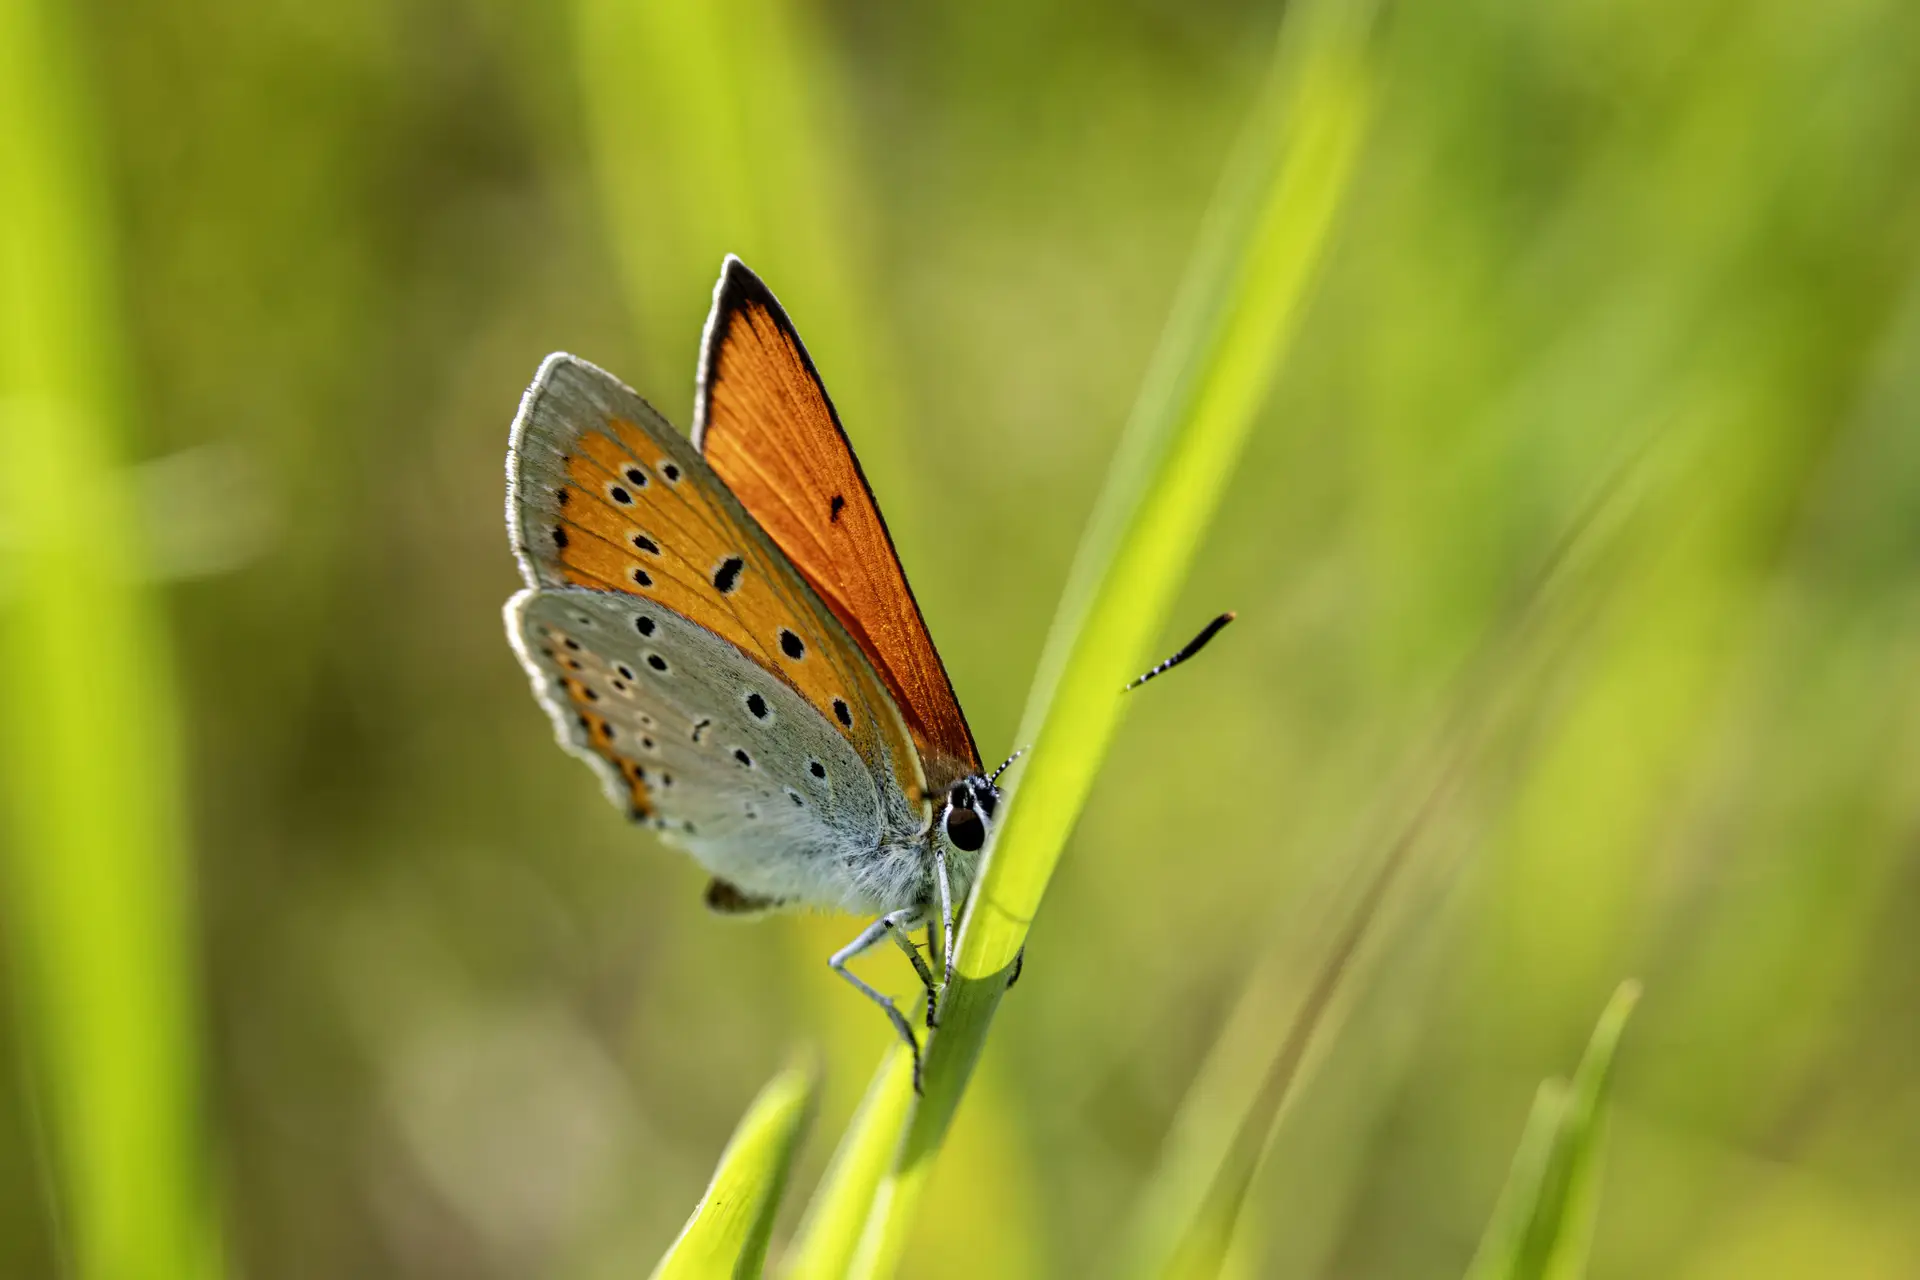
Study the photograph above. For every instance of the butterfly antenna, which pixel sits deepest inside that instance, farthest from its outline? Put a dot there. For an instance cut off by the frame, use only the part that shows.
(1187, 650)
(995, 775)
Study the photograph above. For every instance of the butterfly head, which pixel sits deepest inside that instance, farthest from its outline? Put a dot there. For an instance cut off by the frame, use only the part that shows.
(966, 819)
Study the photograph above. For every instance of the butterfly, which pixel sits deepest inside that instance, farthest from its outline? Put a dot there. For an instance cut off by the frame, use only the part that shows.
(721, 628)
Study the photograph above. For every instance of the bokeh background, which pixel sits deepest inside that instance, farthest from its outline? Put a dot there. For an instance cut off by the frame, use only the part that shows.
(1578, 552)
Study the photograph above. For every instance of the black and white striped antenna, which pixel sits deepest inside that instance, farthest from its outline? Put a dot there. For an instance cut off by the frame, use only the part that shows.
(1187, 650)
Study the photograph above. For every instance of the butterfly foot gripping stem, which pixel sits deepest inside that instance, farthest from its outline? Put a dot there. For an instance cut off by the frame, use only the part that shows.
(894, 924)
(923, 969)
(944, 886)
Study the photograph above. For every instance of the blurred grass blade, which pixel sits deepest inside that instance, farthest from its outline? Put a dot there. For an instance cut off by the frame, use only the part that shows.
(730, 1227)
(1196, 1246)
(1500, 1249)
(1217, 360)
(1299, 992)
(719, 128)
(95, 864)
(1542, 1227)
(828, 1236)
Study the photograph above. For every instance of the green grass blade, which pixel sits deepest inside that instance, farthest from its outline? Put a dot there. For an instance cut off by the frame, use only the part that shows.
(1219, 357)
(830, 1233)
(1501, 1248)
(95, 865)
(1542, 1226)
(730, 1227)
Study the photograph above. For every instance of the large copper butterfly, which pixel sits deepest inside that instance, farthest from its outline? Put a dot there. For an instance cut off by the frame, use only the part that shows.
(722, 629)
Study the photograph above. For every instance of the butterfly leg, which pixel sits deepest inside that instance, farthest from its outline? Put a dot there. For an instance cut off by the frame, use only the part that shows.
(947, 941)
(894, 923)
(933, 1004)
(904, 938)
(946, 915)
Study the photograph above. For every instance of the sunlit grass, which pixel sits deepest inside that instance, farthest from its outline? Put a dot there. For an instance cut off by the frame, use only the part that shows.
(339, 237)
(96, 867)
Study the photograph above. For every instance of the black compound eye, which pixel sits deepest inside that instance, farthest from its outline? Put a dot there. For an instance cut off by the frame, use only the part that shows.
(966, 830)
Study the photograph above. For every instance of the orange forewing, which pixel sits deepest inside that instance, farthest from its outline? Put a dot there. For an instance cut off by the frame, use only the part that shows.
(766, 426)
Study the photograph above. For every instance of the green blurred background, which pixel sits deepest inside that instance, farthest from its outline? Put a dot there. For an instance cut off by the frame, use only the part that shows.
(1629, 278)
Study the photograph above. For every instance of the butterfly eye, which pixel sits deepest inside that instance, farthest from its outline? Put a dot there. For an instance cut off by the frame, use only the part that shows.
(966, 830)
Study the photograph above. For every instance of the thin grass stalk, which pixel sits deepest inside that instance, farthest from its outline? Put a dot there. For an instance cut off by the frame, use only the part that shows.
(824, 1246)
(728, 1233)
